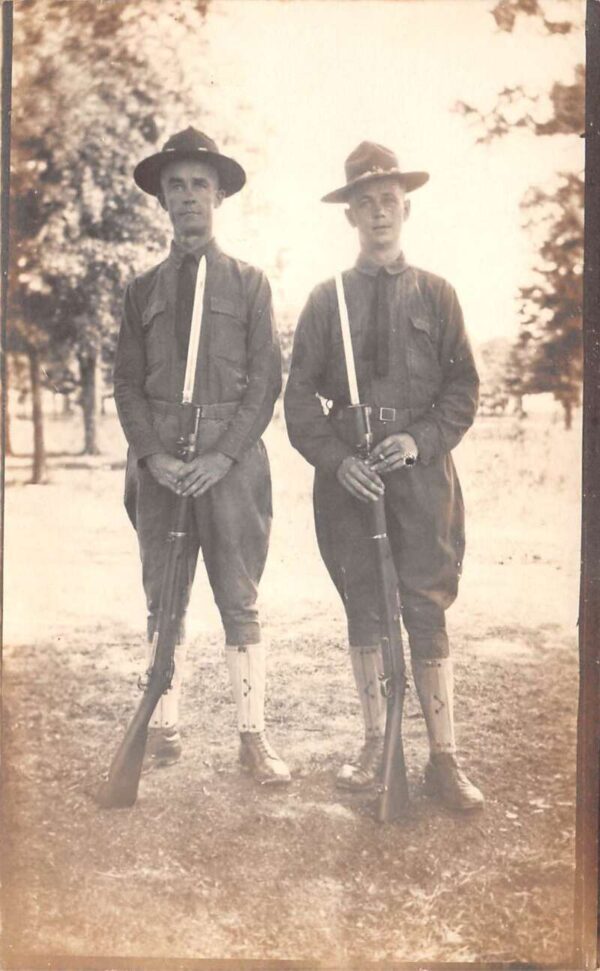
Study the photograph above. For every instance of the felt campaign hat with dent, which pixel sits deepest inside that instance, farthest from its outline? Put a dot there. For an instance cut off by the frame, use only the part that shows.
(372, 161)
(189, 144)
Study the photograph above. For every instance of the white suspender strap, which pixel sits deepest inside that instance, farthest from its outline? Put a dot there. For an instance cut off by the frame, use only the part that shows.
(347, 340)
(196, 327)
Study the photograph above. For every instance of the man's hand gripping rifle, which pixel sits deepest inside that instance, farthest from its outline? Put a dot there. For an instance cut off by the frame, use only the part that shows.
(393, 798)
(121, 786)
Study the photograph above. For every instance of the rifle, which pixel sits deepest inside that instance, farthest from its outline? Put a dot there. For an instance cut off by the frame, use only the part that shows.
(121, 786)
(393, 796)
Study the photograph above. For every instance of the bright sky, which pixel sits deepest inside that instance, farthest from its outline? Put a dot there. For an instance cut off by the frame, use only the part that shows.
(322, 75)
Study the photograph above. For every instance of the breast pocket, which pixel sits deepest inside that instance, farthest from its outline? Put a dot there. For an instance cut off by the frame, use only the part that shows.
(154, 324)
(422, 353)
(228, 331)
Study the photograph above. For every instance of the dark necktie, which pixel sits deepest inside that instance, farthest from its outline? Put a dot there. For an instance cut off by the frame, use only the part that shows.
(377, 343)
(186, 286)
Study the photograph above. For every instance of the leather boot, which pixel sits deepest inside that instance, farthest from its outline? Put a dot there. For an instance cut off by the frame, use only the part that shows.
(259, 757)
(247, 672)
(444, 778)
(163, 746)
(446, 781)
(364, 771)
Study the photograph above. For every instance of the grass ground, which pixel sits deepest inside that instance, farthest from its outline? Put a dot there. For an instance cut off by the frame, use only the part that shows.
(208, 866)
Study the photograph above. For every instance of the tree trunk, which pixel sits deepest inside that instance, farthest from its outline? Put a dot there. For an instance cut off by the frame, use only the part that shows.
(518, 409)
(87, 371)
(568, 408)
(38, 472)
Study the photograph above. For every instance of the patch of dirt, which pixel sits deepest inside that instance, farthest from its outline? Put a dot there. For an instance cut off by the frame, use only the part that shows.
(240, 871)
(208, 865)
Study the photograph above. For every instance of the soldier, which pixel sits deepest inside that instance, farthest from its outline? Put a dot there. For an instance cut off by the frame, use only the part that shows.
(415, 368)
(238, 381)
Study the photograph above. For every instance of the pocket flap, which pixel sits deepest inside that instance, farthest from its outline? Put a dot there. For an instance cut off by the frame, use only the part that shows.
(155, 307)
(227, 305)
(421, 323)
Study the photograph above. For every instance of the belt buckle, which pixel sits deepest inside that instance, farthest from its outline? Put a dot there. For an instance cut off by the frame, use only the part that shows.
(387, 414)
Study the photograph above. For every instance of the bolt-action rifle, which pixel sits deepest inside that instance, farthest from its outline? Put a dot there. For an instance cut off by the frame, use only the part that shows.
(121, 786)
(393, 796)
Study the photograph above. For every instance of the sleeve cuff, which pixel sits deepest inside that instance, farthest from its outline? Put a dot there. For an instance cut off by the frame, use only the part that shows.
(229, 447)
(227, 452)
(332, 457)
(427, 437)
(146, 449)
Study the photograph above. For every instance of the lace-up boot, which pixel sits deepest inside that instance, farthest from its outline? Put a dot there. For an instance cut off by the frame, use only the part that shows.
(258, 756)
(366, 770)
(446, 781)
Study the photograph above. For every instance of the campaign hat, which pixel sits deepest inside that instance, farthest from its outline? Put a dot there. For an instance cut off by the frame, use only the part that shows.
(189, 144)
(372, 161)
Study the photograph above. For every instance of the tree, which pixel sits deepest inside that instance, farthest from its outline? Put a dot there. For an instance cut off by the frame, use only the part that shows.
(93, 86)
(551, 307)
(547, 355)
(493, 359)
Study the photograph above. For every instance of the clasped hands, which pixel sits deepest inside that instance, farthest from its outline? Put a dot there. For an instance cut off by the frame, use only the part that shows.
(189, 478)
(363, 478)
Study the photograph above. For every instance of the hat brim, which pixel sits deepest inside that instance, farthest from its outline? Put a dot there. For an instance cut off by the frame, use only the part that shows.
(408, 180)
(146, 174)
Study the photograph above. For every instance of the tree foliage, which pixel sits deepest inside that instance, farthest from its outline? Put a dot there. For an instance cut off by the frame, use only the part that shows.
(95, 87)
(551, 307)
(547, 354)
(505, 14)
(560, 112)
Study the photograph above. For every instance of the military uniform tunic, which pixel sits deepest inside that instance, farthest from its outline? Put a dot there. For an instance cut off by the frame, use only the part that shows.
(430, 391)
(237, 383)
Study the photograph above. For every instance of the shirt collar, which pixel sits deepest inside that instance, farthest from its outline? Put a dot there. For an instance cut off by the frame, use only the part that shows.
(178, 253)
(368, 266)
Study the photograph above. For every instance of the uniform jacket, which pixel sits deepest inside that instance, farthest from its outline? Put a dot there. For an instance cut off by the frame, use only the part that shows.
(432, 381)
(239, 360)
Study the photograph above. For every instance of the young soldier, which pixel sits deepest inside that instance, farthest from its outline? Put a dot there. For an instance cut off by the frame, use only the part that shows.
(415, 368)
(238, 381)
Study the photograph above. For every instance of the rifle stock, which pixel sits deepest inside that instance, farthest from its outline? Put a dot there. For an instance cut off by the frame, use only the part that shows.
(120, 788)
(393, 798)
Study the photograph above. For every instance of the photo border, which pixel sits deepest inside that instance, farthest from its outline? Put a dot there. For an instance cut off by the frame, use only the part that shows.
(587, 876)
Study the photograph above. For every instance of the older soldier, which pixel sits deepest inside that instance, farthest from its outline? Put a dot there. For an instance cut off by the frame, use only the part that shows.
(415, 368)
(239, 379)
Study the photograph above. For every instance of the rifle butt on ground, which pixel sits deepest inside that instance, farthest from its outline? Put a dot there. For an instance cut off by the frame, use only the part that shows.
(120, 789)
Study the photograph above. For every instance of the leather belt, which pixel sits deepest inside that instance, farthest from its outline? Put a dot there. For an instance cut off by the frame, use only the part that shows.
(221, 409)
(379, 413)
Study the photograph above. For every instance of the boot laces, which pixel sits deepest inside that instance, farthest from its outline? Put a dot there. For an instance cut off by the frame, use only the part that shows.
(263, 746)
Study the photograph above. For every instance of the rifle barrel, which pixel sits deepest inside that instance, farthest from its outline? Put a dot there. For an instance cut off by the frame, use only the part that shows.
(121, 786)
(393, 800)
